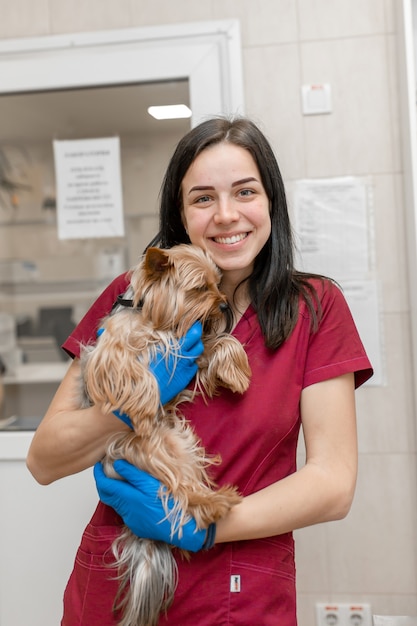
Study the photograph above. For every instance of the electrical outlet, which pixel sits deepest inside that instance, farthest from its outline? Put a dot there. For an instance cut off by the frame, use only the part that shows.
(359, 615)
(343, 614)
(328, 615)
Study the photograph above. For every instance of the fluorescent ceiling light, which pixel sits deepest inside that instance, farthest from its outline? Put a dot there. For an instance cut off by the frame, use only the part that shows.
(170, 112)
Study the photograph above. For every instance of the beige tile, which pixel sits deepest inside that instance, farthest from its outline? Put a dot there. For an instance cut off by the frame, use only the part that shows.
(393, 604)
(393, 102)
(23, 18)
(263, 22)
(67, 16)
(312, 559)
(386, 421)
(306, 611)
(162, 12)
(370, 552)
(355, 138)
(390, 15)
(274, 104)
(322, 19)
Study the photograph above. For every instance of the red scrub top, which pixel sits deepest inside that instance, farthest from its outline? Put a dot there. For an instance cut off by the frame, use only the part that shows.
(246, 582)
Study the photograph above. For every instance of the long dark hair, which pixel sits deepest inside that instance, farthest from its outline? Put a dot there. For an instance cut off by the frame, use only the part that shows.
(274, 285)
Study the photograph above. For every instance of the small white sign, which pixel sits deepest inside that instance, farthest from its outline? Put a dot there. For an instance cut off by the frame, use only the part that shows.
(316, 99)
(89, 190)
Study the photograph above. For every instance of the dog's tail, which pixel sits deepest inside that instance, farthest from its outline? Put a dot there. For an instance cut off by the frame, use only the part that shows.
(148, 579)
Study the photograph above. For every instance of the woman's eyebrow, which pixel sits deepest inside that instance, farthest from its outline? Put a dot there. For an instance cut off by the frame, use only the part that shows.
(201, 188)
(243, 181)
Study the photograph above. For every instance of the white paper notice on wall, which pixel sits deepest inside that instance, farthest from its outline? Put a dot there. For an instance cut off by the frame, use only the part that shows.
(335, 238)
(89, 189)
(332, 226)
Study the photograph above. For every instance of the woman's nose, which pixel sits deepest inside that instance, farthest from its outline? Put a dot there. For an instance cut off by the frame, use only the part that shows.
(225, 212)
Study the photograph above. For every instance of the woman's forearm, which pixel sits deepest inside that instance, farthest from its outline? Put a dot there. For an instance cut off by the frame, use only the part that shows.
(310, 496)
(69, 439)
(320, 491)
(69, 443)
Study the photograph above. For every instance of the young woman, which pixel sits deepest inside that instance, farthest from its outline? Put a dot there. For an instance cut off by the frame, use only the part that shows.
(223, 191)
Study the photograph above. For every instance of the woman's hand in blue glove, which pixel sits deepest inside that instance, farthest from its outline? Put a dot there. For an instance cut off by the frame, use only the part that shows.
(137, 500)
(177, 371)
(174, 373)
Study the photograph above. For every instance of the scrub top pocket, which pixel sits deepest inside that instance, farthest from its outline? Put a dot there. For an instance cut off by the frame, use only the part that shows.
(92, 579)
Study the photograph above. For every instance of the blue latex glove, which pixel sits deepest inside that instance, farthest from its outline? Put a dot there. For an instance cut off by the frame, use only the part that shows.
(175, 373)
(137, 500)
(124, 417)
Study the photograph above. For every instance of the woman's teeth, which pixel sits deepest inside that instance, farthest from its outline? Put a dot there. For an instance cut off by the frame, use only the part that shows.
(233, 239)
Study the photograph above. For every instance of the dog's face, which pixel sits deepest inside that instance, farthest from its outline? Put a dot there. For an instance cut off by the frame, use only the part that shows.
(177, 287)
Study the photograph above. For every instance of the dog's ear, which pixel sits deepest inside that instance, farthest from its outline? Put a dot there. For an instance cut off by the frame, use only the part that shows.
(156, 262)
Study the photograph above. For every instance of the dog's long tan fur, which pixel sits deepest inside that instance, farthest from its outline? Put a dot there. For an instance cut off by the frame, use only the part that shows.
(171, 290)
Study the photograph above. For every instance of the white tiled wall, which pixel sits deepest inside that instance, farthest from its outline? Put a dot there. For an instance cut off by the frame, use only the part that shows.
(370, 556)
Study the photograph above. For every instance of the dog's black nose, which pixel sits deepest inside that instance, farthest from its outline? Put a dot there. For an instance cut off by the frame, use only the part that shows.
(224, 306)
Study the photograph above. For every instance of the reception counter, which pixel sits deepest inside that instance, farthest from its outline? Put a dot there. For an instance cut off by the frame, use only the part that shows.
(14, 445)
(40, 529)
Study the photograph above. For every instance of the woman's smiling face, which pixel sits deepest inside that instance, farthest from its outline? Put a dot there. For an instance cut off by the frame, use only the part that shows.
(226, 209)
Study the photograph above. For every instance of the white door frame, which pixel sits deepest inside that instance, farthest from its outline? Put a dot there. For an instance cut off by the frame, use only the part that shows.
(407, 84)
(208, 54)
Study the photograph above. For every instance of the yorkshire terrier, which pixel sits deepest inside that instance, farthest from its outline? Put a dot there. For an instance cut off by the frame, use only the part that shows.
(170, 289)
